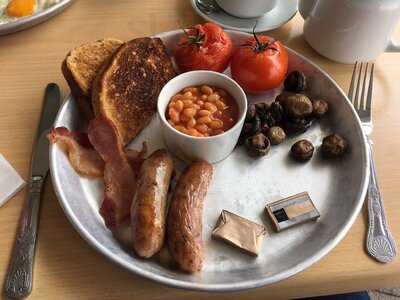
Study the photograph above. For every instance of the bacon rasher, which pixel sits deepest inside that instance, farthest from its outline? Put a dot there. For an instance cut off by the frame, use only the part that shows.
(119, 171)
(119, 178)
(82, 156)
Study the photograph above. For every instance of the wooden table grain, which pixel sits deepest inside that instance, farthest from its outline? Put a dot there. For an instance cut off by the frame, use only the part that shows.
(66, 266)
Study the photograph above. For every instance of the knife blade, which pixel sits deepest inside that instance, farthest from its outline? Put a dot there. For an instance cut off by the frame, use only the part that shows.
(40, 155)
(19, 277)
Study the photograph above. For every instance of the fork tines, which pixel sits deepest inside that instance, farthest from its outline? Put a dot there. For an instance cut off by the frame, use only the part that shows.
(363, 75)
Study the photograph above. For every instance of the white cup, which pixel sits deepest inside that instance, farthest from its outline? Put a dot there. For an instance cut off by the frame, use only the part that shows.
(347, 31)
(189, 148)
(247, 8)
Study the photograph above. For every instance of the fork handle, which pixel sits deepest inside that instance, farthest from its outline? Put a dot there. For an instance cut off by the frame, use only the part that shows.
(380, 243)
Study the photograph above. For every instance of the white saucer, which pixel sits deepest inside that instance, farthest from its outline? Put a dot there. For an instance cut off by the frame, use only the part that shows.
(282, 13)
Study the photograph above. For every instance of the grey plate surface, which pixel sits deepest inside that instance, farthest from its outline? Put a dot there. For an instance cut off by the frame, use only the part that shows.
(242, 185)
(26, 22)
(284, 11)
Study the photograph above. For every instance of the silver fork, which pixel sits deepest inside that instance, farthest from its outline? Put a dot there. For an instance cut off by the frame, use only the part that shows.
(380, 243)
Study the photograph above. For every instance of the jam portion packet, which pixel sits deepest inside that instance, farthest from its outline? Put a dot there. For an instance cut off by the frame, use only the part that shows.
(240, 232)
(292, 211)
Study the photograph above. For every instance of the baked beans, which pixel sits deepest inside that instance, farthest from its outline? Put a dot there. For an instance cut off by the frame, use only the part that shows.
(202, 111)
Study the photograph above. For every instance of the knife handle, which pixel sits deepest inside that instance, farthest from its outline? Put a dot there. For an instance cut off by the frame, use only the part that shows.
(19, 277)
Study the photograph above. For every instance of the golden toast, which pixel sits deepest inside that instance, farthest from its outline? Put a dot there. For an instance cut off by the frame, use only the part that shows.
(81, 66)
(127, 87)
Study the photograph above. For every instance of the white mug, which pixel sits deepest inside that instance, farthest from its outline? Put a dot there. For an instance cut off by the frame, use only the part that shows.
(247, 8)
(347, 31)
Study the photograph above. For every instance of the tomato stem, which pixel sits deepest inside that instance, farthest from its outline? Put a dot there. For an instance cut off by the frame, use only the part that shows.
(196, 39)
(259, 44)
(260, 47)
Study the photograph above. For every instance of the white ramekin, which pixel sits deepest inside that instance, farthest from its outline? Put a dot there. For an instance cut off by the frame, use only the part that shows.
(189, 148)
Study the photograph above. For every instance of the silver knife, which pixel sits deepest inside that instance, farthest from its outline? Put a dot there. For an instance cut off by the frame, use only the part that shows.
(19, 277)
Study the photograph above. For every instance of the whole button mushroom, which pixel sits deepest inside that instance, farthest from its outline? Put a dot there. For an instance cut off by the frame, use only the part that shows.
(295, 82)
(276, 135)
(333, 145)
(302, 150)
(297, 106)
(320, 108)
(258, 145)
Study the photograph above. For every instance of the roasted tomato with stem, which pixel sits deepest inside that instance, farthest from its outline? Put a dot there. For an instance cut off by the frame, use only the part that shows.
(260, 64)
(204, 47)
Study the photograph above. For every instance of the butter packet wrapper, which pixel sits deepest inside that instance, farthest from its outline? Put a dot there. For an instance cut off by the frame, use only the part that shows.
(240, 232)
(292, 211)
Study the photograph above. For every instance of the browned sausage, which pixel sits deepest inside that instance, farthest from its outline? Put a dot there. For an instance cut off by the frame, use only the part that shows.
(148, 210)
(184, 223)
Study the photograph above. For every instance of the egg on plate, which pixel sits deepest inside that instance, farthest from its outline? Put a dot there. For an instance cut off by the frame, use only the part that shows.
(13, 9)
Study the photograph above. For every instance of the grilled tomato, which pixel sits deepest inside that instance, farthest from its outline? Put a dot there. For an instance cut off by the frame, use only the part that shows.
(260, 64)
(204, 47)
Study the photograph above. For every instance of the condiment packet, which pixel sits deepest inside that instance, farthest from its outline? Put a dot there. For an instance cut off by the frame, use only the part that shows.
(10, 181)
(292, 211)
(240, 232)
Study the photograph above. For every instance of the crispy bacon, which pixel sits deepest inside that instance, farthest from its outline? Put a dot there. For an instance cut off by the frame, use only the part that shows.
(83, 158)
(119, 171)
(119, 178)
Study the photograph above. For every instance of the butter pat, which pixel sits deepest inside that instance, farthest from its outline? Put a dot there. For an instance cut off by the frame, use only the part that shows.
(240, 232)
(292, 211)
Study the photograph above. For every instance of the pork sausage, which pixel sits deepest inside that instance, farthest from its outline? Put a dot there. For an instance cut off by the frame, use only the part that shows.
(148, 210)
(184, 222)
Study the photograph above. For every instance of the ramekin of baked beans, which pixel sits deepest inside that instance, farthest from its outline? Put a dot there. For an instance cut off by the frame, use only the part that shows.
(201, 115)
(202, 111)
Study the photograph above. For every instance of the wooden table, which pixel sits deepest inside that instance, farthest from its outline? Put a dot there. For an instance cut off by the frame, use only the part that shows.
(66, 266)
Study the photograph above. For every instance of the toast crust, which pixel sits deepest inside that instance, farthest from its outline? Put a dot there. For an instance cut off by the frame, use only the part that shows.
(81, 66)
(127, 87)
(83, 102)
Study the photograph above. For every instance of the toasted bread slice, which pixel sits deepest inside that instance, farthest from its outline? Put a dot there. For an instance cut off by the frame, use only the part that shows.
(127, 88)
(81, 66)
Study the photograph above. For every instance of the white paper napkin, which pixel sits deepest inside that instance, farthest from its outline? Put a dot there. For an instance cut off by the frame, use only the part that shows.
(10, 181)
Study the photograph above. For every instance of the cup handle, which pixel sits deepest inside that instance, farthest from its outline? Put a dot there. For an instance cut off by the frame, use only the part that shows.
(393, 47)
